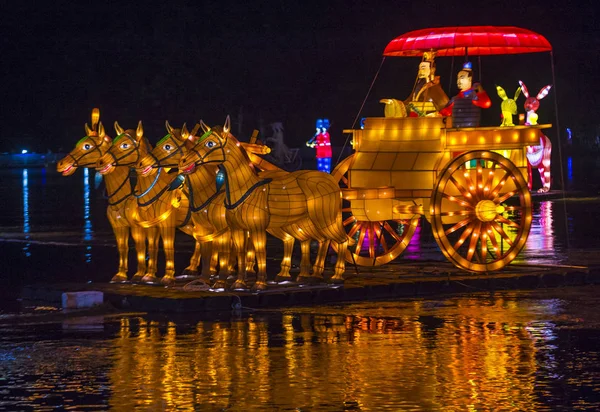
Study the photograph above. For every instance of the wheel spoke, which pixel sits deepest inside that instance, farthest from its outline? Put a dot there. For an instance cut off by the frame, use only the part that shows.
(392, 232)
(361, 238)
(460, 188)
(354, 229)
(479, 180)
(382, 240)
(490, 178)
(460, 224)
(500, 184)
(458, 213)
(495, 244)
(349, 221)
(504, 197)
(473, 242)
(484, 248)
(456, 200)
(504, 220)
(464, 236)
(502, 233)
(472, 188)
(372, 241)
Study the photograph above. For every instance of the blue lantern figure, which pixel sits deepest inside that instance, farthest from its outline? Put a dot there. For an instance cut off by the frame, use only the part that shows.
(322, 143)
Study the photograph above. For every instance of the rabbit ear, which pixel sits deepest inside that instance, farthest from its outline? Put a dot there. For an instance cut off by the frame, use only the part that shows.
(544, 92)
(501, 93)
(525, 92)
(517, 93)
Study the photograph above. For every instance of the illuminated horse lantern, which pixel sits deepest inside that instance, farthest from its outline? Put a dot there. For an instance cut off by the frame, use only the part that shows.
(156, 205)
(207, 203)
(86, 154)
(304, 202)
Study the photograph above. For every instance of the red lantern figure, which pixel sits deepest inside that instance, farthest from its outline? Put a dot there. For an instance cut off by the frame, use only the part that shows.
(322, 143)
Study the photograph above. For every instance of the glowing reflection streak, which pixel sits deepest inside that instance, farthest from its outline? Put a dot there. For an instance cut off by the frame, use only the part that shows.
(87, 227)
(26, 227)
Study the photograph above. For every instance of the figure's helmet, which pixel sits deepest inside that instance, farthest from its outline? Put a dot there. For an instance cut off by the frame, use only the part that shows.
(319, 123)
(325, 124)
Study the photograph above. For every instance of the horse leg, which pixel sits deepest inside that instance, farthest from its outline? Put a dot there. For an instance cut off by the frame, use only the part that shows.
(167, 233)
(319, 265)
(223, 253)
(259, 239)
(240, 239)
(304, 275)
(288, 248)
(250, 258)
(192, 270)
(152, 236)
(206, 251)
(122, 236)
(139, 237)
(340, 264)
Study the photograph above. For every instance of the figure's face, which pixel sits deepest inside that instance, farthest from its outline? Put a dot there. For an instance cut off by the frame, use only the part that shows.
(424, 70)
(463, 81)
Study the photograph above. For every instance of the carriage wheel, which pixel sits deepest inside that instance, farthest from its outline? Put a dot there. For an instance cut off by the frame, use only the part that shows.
(377, 242)
(481, 211)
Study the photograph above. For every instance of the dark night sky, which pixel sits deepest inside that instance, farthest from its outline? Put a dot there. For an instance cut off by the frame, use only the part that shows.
(275, 61)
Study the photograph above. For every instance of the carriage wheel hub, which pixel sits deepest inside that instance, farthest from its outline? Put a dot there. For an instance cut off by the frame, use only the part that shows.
(487, 210)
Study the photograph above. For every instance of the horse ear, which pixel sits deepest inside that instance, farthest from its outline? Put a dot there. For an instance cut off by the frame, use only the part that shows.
(544, 92)
(140, 130)
(88, 131)
(227, 125)
(184, 132)
(525, 91)
(501, 93)
(195, 129)
(168, 126)
(204, 126)
(118, 128)
(101, 132)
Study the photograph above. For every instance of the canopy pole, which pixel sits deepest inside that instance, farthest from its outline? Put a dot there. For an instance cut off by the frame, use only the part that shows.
(360, 110)
(560, 158)
(450, 77)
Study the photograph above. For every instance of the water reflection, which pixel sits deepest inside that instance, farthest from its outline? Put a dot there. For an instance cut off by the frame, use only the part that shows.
(26, 227)
(87, 227)
(479, 352)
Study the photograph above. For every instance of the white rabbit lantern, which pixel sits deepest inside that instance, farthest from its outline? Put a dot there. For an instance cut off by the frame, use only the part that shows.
(533, 103)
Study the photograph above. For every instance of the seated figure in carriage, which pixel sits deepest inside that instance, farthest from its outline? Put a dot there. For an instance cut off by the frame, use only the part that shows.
(427, 96)
(465, 107)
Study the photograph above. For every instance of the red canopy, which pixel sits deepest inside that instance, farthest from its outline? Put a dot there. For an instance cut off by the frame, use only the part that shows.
(479, 40)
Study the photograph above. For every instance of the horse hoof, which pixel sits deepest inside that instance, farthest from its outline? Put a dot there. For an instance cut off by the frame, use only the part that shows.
(188, 274)
(167, 280)
(137, 278)
(239, 285)
(279, 279)
(336, 281)
(119, 278)
(219, 284)
(149, 279)
(258, 286)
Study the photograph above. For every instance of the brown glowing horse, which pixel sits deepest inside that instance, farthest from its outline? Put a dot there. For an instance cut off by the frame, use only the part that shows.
(207, 201)
(302, 203)
(158, 202)
(86, 153)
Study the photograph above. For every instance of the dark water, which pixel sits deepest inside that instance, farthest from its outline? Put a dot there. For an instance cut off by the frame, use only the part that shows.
(535, 350)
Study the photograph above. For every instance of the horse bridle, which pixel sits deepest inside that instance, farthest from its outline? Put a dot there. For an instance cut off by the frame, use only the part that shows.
(96, 147)
(158, 162)
(220, 145)
(135, 145)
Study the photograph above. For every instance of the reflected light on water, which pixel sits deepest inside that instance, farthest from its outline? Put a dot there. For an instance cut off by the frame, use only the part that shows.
(87, 228)
(26, 227)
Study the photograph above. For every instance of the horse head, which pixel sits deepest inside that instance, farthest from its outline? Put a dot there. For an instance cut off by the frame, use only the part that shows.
(208, 148)
(168, 151)
(126, 150)
(88, 150)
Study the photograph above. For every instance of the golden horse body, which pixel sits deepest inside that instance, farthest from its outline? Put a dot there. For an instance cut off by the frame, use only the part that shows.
(303, 204)
(85, 154)
(154, 205)
(208, 204)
